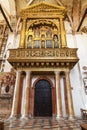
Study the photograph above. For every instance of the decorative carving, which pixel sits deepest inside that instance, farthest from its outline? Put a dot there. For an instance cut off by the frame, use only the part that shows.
(43, 10)
(48, 58)
(44, 22)
(30, 53)
(42, 34)
(7, 82)
(43, 40)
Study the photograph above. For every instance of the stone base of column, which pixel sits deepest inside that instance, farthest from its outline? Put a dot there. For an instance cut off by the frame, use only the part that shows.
(59, 117)
(71, 118)
(12, 118)
(24, 117)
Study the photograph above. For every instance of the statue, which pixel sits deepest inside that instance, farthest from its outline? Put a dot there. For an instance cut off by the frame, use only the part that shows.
(29, 41)
(55, 39)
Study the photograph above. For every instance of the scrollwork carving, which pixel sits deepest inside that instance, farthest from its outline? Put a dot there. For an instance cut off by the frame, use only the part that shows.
(25, 53)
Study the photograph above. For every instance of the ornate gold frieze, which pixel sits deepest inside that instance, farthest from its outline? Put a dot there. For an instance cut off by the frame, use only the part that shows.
(43, 53)
(43, 10)
(43, 58)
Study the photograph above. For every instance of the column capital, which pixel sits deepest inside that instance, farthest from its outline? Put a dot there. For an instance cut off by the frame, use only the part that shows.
(57, 72)
(19, 71)
(61, 19)
(28, 72)
(67, 71)
(24, 19)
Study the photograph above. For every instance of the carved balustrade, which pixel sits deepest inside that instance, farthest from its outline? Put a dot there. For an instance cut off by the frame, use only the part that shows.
(47, 58)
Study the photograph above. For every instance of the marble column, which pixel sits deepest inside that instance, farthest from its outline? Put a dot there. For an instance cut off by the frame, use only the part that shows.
(25, 113)
(58, 95)
(69, 96)
(16, 96)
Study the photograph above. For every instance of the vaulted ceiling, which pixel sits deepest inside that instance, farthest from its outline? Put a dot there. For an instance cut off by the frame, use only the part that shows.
(75, 10)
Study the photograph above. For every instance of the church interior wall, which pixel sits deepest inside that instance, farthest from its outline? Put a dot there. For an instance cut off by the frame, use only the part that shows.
(74, 40)
(79, 97)
(12, 42)
(76, 73)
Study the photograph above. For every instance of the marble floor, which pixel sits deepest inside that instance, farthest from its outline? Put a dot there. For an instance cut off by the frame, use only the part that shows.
(44, 124)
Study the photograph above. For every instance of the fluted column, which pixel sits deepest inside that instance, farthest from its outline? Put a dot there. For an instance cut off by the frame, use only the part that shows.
(69, 96)
(58, 95)
(26, 96)
(63, 34)
(16, 95)
(22, 37)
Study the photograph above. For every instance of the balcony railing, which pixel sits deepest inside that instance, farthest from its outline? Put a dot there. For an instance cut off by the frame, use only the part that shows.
(65, 57)
(43, 53)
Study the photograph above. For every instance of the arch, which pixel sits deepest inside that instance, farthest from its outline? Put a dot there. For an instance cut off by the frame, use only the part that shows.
(44, 21)
(43, 78)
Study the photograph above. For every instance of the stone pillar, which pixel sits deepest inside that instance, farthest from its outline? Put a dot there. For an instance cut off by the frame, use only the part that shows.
(16, 96)
(58, 95)
(69, 96)
(26, 96)
(22, 37)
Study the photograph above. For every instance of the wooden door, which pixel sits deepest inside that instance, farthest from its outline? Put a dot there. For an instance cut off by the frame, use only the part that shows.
(43, 99)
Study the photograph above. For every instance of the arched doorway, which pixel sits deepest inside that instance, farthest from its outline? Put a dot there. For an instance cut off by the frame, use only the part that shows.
(43, 98)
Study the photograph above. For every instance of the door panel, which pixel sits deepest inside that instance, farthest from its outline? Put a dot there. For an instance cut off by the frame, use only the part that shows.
(43, 99)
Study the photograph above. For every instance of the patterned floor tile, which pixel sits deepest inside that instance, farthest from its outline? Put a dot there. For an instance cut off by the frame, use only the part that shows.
(44, 124)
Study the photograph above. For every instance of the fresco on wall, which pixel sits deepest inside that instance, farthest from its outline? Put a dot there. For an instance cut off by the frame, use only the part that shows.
(7, 83)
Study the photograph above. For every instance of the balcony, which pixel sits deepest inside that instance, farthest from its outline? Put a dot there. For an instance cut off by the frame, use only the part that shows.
(43, 58)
